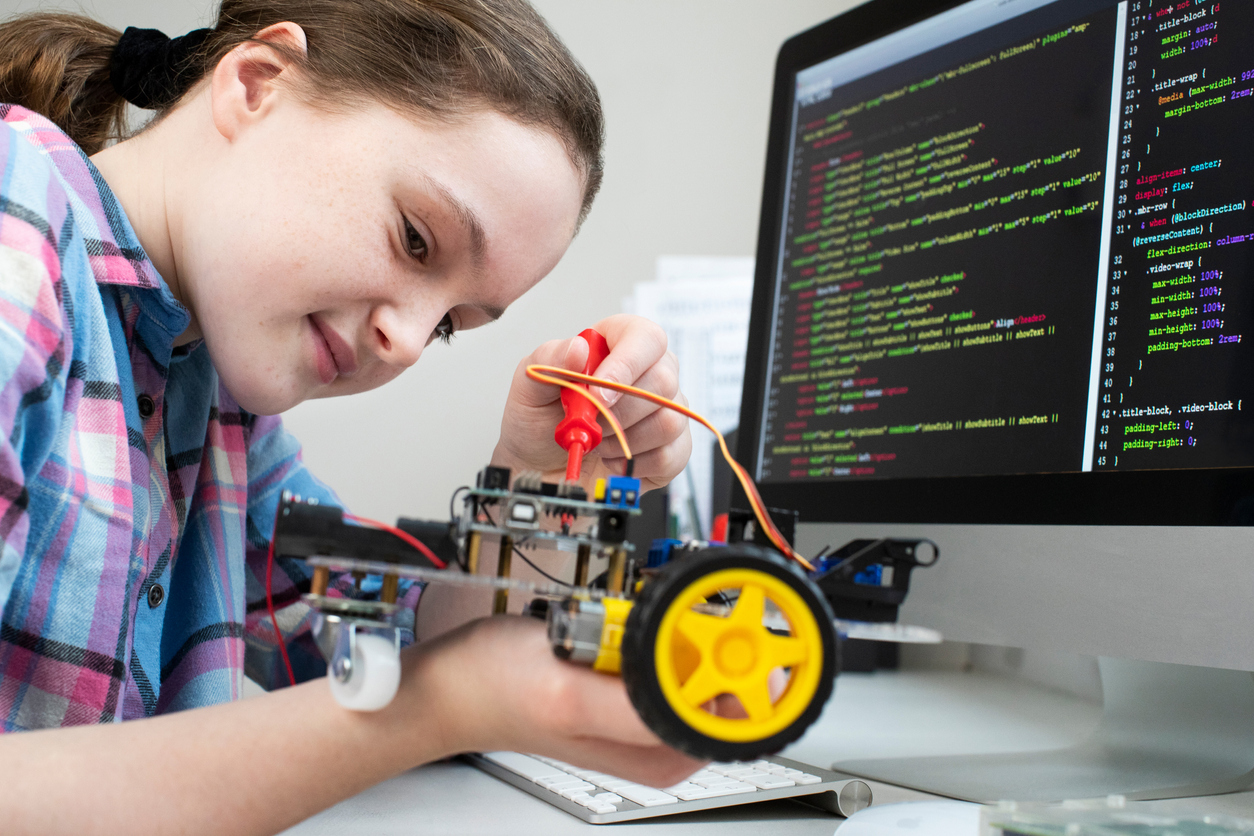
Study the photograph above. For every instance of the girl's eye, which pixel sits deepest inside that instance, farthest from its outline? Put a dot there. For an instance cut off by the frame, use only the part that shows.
(414, 242)
(445, 330)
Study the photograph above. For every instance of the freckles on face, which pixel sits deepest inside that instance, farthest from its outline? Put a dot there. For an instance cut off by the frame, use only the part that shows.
(303, 244)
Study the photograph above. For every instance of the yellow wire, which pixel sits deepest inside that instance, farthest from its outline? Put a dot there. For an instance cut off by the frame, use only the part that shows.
(542, 373)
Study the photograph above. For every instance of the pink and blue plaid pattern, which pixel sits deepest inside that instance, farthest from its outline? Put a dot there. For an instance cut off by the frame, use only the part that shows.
(124, 466)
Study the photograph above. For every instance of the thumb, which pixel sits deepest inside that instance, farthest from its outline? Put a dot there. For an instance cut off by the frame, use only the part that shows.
(576, 354)
(566, 354)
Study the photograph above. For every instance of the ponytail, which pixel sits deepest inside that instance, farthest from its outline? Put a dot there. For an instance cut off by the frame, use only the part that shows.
(58, 65)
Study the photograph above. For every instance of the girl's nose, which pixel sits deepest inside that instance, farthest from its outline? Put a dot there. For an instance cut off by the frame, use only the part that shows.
(399, 340)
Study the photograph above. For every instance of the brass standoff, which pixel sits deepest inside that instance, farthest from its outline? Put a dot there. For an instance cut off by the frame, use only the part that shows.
(501, 600)
(390, 586)
(472, 552)
(321, 578)
(581, 564)
(618, 572)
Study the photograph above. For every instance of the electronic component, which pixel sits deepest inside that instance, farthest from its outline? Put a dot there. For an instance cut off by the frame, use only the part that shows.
(702, 623)
(623, 492)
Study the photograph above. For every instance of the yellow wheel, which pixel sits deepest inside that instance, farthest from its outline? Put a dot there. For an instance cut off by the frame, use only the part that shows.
(729, 653)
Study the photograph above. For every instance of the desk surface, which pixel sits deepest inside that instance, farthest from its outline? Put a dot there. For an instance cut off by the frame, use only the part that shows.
(897, 714)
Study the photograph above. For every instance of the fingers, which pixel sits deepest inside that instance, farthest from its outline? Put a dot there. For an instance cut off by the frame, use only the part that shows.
(658, 430)
(636, 345)
(662, 378)
(655, 766)
(656, 468)
(568, 354)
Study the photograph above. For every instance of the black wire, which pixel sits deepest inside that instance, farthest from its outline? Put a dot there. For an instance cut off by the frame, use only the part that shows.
(488, 514)
(452, 501)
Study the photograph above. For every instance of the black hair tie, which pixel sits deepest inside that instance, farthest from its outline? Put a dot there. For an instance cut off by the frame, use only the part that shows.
(151, 70)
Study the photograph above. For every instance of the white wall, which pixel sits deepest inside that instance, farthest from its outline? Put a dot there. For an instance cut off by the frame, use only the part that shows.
(686, 87)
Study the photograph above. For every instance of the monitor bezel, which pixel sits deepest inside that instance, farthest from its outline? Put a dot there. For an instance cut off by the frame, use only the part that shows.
(1195, 497)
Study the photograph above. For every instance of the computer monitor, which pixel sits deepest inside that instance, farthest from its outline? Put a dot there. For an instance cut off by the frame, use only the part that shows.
(1004, 299)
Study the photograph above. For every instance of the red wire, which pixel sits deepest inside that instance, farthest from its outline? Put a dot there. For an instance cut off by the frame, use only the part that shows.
(404, 535)
(287, 663)
(274, 620)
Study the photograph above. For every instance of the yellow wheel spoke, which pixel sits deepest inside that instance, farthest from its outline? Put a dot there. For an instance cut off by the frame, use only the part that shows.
(704, 685)
(701, 629)
(756, 700)
(750, 607)
(785, 651)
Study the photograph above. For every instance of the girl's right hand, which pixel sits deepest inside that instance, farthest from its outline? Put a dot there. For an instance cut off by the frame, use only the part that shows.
(495, 684)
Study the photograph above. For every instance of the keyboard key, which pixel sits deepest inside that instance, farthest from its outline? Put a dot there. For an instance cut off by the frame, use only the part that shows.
(580, 798)
(806, 779)
(737, 772)
(681, 787)
(578, 789)
(560, 783)
(768, 782)
(645, 796)
(608, 797)
(523, 765)
(615, 784)
(695, 792)
(603, 808)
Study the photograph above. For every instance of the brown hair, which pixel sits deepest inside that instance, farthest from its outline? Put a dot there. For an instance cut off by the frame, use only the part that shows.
(440, 57)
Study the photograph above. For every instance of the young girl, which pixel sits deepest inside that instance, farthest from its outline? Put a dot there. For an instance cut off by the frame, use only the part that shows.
(328, 187)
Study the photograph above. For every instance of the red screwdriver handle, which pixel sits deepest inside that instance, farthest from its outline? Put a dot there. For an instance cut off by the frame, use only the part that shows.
(579, 431)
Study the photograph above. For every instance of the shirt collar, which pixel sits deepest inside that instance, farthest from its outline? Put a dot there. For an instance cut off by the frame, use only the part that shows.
(113, 249)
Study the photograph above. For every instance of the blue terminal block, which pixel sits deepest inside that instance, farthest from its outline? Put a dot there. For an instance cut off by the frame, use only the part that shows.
(623, 492)
(872, 575)
(660, 551)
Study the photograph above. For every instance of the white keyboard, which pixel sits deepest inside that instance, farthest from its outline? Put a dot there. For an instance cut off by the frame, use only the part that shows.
(601, 799)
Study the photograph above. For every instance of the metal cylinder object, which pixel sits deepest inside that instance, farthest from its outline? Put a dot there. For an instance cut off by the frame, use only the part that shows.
(321, 579)
(472, 551)
(506, 554)
(582, 560)
(390, 588)
(618, 572)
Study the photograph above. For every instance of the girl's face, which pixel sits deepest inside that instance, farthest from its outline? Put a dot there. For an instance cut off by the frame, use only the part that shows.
(339, 245)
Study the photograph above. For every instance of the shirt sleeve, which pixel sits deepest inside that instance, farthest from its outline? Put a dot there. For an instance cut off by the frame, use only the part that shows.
(275, 466)
(33, 365)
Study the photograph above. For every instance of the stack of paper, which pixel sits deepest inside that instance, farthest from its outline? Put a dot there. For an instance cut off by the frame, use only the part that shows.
(703, 303)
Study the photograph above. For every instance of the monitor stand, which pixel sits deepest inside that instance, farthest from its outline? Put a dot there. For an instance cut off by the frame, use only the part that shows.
(1166, 731)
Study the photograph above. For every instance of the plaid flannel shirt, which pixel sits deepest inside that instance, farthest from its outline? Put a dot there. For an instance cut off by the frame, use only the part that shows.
(136, 497)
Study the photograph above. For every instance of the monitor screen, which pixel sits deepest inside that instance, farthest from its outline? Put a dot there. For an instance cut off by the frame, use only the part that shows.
(1010, 239)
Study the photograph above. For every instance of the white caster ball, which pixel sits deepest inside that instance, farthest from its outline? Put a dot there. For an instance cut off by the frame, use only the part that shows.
(372, 678)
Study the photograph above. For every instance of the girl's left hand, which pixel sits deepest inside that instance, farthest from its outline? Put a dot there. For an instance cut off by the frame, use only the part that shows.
(659, 438)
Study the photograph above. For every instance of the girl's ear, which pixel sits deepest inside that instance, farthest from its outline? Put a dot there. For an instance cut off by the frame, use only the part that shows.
(244, 84)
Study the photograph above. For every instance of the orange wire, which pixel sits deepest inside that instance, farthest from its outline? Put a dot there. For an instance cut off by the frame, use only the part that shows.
(535, 373)
(541, 373)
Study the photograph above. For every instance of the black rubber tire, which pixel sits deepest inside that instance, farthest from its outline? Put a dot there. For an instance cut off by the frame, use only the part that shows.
(640, 637)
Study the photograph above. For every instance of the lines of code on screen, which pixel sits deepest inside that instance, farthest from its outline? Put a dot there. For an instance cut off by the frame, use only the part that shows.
(939, 262)
(1178, 343)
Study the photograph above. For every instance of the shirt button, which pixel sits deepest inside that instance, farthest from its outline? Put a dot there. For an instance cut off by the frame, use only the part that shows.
(146, 406)
(156, 594)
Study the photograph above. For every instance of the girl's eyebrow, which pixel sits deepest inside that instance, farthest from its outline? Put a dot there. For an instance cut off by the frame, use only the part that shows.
(494, 313)
(469, 222)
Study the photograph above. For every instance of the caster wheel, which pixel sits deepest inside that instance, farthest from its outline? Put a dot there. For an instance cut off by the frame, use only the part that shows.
(369, 681)
(773, 651)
